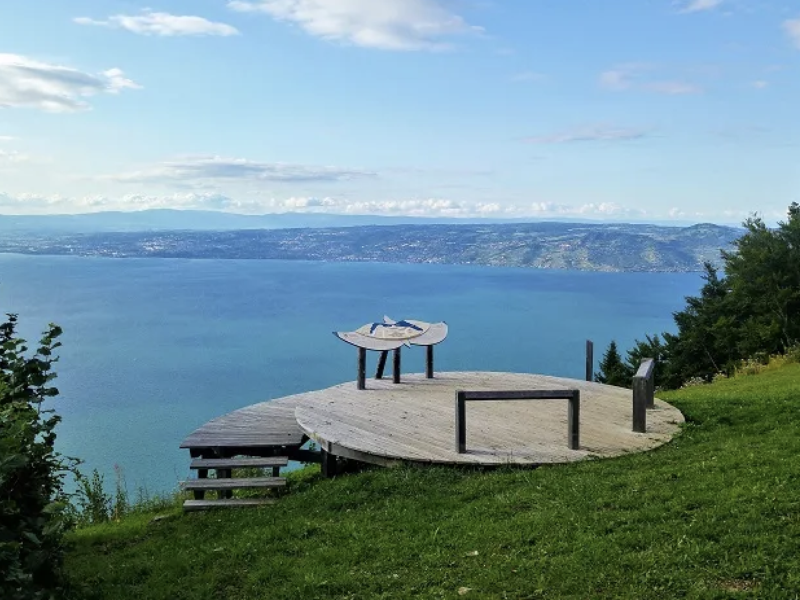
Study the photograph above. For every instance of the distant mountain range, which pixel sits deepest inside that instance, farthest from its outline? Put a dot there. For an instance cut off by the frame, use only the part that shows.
(199, 220)
(559, 245)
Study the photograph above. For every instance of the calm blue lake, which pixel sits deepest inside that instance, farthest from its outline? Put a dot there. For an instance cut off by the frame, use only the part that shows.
(153, 348)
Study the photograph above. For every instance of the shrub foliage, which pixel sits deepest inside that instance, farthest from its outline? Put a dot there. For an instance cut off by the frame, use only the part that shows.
(32, 499)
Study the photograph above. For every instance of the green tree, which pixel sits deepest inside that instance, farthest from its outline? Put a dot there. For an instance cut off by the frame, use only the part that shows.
(763, 272)
(613, 370)
(650, 347)
(753, 309)
(707, 333)
(32, 499)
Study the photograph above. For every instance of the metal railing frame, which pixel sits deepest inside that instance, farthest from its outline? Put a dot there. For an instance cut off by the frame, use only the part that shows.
(573, 410)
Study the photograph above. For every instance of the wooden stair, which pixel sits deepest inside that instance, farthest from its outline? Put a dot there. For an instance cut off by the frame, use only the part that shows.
(195, 505)
(238, 483)
(239, 463)
(223, 484)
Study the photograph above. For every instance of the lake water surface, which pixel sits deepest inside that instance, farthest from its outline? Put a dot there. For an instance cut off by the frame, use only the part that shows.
(153, 348)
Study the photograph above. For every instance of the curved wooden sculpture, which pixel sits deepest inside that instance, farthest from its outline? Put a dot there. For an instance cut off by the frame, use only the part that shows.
(393, 335)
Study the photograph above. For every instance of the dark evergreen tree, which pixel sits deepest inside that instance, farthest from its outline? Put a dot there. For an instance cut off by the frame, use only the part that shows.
(613, 370)
(705, 343)
(650, 347)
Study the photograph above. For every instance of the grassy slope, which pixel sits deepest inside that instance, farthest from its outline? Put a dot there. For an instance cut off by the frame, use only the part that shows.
(715, 514)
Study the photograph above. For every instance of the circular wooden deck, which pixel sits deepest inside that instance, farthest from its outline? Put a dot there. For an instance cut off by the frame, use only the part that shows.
(414, 421)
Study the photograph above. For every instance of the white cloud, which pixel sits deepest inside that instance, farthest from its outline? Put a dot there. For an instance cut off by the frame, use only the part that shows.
(48, 204)
(38, 203)
(7, 138)
(28, 83)
(792, 28)
(610, 209)
(383, 24)
(203, 168)
(588, 210)
(701, 5)
(12, 156)
(413, 207)
(162, 24)
(632, 76)
(760, 84)
(597, 133)
(676, 213)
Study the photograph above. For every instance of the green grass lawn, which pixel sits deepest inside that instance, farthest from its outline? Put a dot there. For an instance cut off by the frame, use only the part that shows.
(714, 514)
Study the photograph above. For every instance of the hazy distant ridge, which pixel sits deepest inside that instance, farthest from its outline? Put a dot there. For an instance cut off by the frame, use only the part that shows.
(583, 246)
(204, 220)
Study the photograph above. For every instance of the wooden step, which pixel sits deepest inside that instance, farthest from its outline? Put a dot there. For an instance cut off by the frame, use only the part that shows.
(194, 505)
(233, 484)
(239, 463)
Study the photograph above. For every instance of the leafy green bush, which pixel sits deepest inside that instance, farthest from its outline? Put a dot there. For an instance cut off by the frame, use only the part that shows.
(32, 498)
(91, 503)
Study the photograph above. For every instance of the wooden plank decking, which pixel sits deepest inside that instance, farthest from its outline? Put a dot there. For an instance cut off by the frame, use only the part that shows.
(264, 425)
(415, 421)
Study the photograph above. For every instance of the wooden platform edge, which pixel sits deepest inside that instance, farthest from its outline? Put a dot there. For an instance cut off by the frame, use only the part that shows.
(217, 433)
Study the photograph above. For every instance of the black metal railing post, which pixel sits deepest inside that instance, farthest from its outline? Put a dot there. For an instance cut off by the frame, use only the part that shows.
(574, 420)
(461, 423)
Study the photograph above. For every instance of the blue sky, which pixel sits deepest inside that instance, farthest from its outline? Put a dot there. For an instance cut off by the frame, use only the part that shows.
(622, 109)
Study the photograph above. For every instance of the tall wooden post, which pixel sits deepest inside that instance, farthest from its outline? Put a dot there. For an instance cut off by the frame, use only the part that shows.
(362, 369)
(381, 364)
(429, 362)
(589, 360)
(396, 378)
